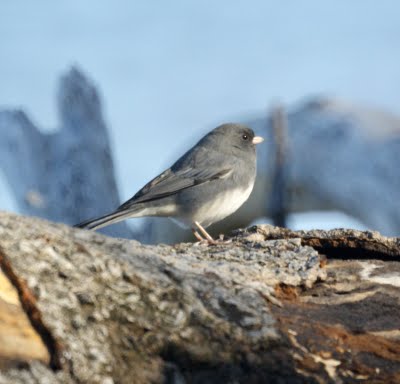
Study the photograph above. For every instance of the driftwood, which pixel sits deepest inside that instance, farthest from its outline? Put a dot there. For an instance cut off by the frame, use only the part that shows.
(266, 307)
(343, 156)
(332, 155)
(337, 156)
(278, 201)
(68, 175)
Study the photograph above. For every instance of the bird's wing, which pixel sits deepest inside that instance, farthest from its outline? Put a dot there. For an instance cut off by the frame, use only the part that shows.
(170, 182)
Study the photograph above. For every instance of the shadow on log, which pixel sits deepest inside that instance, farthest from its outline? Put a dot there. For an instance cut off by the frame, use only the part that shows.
(265, 307)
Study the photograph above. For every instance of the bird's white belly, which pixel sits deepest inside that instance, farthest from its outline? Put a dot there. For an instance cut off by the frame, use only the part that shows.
(218, 208)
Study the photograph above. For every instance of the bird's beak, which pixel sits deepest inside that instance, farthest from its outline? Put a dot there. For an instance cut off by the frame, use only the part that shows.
(257, 140)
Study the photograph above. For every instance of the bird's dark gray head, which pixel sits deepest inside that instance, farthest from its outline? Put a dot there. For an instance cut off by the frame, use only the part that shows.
(232, 138)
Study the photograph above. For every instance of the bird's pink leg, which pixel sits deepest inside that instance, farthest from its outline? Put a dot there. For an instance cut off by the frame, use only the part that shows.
(204, 233)
(197, 235)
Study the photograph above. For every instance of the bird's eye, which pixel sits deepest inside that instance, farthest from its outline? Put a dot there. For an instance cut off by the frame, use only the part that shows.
(245, 137)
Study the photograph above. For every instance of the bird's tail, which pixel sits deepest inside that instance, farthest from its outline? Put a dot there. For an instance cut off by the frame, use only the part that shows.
(108, 219)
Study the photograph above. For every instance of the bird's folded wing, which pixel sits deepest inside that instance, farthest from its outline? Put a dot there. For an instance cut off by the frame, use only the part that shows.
(170, 182)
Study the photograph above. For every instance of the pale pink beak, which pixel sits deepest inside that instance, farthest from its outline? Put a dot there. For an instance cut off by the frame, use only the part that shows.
(257, 140)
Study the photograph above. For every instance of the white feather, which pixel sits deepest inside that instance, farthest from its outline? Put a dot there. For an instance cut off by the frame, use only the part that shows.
(221, 206)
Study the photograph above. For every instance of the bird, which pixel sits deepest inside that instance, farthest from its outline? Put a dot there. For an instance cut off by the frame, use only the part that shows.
(208, 183)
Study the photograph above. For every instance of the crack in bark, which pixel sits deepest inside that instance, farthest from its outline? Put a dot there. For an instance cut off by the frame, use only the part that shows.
(354, 245)
(28, 303)
(351, 248)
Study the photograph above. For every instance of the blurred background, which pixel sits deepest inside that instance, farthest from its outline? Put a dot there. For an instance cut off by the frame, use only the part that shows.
(167, 72)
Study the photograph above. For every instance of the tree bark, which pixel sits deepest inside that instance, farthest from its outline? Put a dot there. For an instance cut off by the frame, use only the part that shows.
(264, 307)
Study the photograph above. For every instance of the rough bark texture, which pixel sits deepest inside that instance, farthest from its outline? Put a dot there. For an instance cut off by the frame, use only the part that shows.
(265, 307)
(337, 243)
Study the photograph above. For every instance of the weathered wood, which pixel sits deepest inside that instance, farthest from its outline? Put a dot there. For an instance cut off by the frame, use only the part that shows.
(253, 310)
(19, 341)
(339, 156)
(278, 201)
(336, 243)
(67, 175)
(342, 156)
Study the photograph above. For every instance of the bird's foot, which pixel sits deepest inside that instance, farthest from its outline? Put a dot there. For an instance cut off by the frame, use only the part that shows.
(205, 242)
(221, 239)
(199, 232)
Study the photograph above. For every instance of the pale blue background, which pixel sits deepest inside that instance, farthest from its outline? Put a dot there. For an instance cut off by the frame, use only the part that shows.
(170, 70)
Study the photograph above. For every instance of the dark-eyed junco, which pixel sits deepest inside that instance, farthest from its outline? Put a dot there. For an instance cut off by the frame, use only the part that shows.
(208, 183)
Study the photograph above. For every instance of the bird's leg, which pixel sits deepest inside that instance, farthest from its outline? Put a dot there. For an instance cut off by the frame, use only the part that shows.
(204, 233)
(222, 241)
(197, 235)
(201, 239)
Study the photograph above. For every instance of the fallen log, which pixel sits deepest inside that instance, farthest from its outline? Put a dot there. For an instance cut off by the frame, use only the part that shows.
(264, 307)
